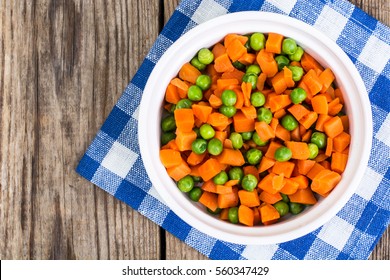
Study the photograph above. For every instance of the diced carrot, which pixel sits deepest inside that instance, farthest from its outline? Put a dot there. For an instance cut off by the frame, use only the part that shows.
(209, 169)
(170, 158)
(228, 200)
(273, 124)
(250, 199)
(268, 213)
(171, 145)
(231, 157)
(189, 73)
(320, 104)
(341, 141)
(265, 164)
(329, 146)
(304, 166)
(303, 196)
(273, 146)
(320, 122)
(227, 144)
(299, 150)
(184, 119)
(235, 74)
(242, 123)
(264, 130)
(245, 215)
(338, 94)
(307, 136)
(333, 127)
(215, 101)
(247, 58)
(171, 94)
(308, 62)
(278, 82)
(282, 133)
(270, 198)
(261, 81)
(195, 159)
(280, 113)
(249, 112)
(278, 182)
(266, 183)
(256, 216)
(339, 162)
(277, 102)
(179, 171)
(290, 187)
(345, 121)
(223, 64)
(221, 135)
(327, 77)
(184, 140)
(274, 43)
(308, 120)
(250, 169)
(317, 168)
(231, 37)
(210, 200)
(224, 215)
(222, 84)
(246, 90)
(312, 81)
(182, 87)
(222, 189)
(325, 181)
(267, 63)
(218, 50)
(302, 181)
(209, 186)
(202, 112)
(334, 109)
(298, 111)
(217, 119)
(295, 134)
(235, 49)
(286, 168)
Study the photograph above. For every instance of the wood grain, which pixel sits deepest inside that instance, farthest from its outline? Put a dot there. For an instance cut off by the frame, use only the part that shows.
(63, 66)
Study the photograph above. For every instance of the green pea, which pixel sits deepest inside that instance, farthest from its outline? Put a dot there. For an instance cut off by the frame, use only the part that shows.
(238, 65)
(204, 82)
(250, 78)
(221, 178)
(246, 135)
(205, 56)
(233, 215)
(313, 148)
(282, 207)
(166, 137)
(298, 95)
(195, 194)
(195, 93)
(206, 131)
(247, 44)
(296, 208)
(229, 97)
(258, 141)
(257, 41)
(186, 184)
(289, 122)
(297, 55)
(249, 182)
(257, 99)
(199, 146)
(237, 140)
(319, 139)
(197, 179)
(253, 156)
(253, 69)
(216, 212)
(264, 114)
(173, 108)
(289, 46)
(228, 111)
(297, 73)
(285, 198)
(215, 147)
(184, 104)
(283, 154)
(168, 123)
(197, 64)
(197, 131)
(236, 173)
(282, 61)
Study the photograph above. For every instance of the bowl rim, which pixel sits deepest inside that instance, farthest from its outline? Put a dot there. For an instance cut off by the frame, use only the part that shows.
(304, 34)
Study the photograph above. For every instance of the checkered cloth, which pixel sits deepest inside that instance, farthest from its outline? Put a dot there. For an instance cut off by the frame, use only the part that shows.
(113, 160)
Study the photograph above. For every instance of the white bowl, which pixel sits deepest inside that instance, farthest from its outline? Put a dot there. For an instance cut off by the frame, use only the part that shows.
(325, 51)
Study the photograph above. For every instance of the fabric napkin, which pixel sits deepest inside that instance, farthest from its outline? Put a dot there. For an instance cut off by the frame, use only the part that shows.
(113, 161)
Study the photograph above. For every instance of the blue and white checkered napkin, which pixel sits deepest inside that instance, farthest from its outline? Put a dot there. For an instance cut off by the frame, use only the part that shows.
(113, 160)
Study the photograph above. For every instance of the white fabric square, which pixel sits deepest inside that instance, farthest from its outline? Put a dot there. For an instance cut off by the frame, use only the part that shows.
(152, 191)
(331, 22)
(208, 9)
(283, 5)
(259, 252)
(336, 232)
(159, 210)
(384, 131)
(119, 159)
(369, 184)
(375, 54)
(203, 242)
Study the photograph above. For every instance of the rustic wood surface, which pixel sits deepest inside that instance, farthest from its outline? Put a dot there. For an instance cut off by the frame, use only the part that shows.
(63, 66)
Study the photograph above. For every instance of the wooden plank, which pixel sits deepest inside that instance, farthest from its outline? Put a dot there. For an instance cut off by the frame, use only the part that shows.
(63, 65)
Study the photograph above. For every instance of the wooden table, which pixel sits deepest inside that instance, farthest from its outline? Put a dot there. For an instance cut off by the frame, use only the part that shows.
(63, 66)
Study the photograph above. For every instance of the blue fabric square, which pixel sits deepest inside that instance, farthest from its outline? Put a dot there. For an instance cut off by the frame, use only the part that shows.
(141, 77)
(130, 194)
(175, 26)
(381, 196)
(251, 5)
(115, 123)
(380, 95)
(130, 99)
(176, 226)
(376, 226)
(342, 256)
(222, 252)
(87, 167)
(307, 11)
(137, 176)
(104, 177)
(300, 246)
(364, 20)
(282, 254)
(367, 216)
(268, 7)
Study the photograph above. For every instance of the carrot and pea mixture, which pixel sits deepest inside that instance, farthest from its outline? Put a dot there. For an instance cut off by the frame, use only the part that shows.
(254, 129)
